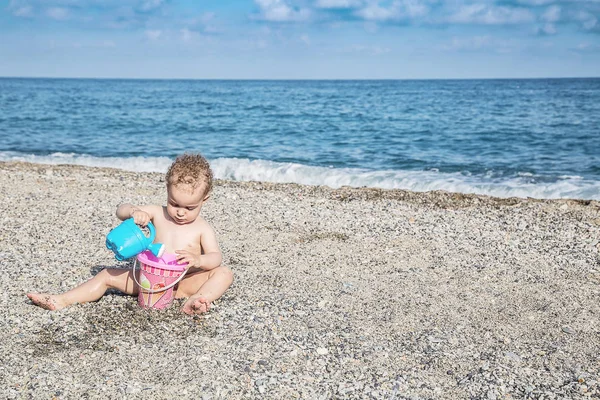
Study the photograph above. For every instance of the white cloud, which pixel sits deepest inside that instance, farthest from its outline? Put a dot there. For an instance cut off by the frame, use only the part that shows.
(338, 3)
(279, 11)
(58, 13)
(191, 35)
(472, 43)
(255, 44)
(479, 43)
(82, 44)
(489, 15)
(399, 9)
(148, 5)
(187, 35)
(201, 19)
(305, 39)
(207, 17)
(547, 29)
(552, 14)
(586, 48)
(377, 50)
(590, 23)
(106, 44)
(212, 29)
(374, 12)
(205, 22)
(153, 34)
(415, 8)
(587, 20)
(363, 49)
(536, 2)
(25, 11)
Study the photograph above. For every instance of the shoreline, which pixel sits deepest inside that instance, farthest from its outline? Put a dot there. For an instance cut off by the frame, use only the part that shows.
(338, 293)
(442, 198)
(582, 189)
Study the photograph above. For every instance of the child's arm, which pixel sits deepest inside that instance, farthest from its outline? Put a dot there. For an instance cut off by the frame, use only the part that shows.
(141, 214)
(192, 255)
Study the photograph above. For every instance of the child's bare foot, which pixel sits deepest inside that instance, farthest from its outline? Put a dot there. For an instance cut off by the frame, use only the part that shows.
(47, 301)
(196, 305)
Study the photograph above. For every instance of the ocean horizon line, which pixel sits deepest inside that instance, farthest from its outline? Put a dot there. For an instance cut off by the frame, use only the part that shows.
(307, 79)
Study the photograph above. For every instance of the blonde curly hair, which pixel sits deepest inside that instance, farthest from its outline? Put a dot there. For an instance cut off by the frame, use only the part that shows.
(190, 169)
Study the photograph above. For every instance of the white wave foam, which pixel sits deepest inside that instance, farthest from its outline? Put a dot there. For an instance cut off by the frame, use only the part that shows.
(136, 164)
(419, 181)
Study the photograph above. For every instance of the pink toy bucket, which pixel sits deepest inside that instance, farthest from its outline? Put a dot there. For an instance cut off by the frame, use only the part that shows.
(158, 276)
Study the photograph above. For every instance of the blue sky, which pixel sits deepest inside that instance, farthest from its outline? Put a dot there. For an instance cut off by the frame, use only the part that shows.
(300, 39)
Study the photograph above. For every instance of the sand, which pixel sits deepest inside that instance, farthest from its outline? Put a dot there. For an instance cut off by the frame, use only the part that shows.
(348, 293)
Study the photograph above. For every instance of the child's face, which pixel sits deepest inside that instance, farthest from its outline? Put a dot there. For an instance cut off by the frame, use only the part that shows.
(184, 203)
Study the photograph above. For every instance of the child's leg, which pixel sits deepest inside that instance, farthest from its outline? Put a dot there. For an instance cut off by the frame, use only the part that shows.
(92, 290)
(203, 288)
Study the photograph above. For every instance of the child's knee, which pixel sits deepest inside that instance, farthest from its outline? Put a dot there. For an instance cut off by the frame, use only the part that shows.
(112, 277)
(225, 272)
(104, 275)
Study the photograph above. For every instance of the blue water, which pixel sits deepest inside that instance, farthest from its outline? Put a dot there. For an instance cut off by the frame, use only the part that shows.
(532, 137)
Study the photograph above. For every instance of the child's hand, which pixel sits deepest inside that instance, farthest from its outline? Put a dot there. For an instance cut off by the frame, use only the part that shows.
(191, 255)
(140, 217)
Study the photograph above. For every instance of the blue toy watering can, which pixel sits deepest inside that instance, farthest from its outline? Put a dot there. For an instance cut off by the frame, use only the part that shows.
(128, 240)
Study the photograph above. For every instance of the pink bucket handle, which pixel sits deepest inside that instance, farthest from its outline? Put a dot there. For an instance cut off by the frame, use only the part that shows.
(155, 290)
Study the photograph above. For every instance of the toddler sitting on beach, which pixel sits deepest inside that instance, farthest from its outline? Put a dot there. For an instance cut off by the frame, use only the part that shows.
(183, 232)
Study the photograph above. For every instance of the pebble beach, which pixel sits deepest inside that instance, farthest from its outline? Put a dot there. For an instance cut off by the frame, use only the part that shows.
(349, 293)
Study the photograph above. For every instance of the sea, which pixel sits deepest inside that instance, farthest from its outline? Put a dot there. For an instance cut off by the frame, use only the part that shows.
(511, 137)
